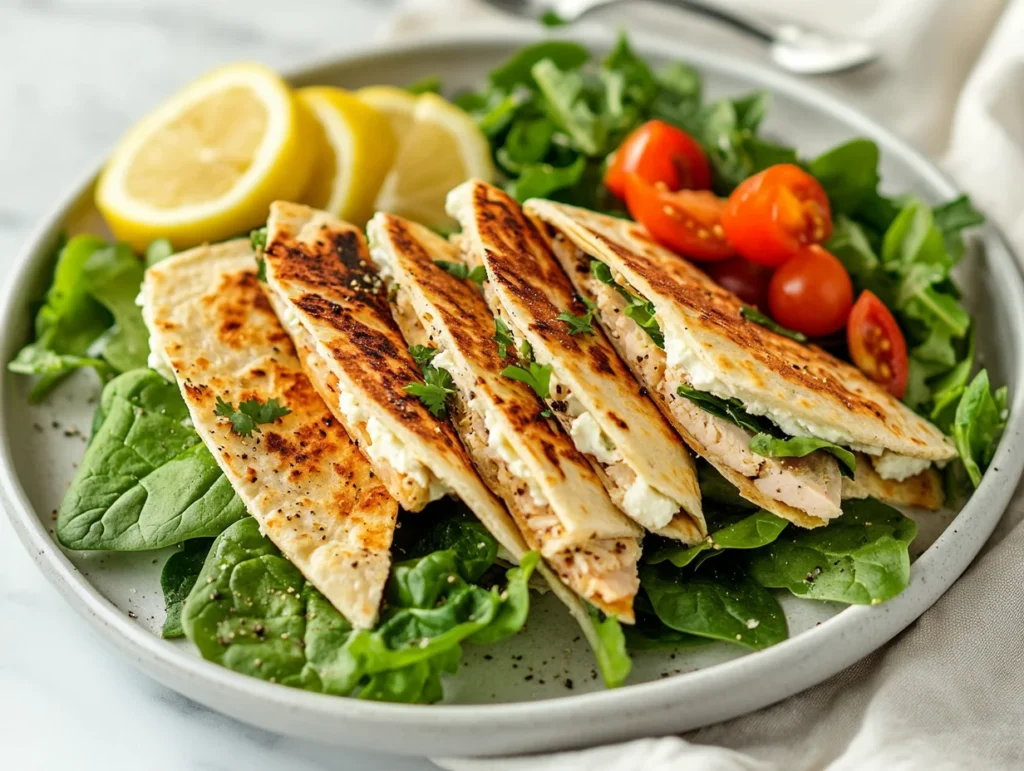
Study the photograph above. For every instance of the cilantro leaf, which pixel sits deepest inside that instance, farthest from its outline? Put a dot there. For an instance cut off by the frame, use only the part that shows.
(423, 354)
(538, 377)
(434, 391)
(250, 414)
(637, 308)
(503, 337)
(461, 271)
(754, 315)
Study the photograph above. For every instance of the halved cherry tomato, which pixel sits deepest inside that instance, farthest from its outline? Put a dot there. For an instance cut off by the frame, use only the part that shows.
(876, 344)
(686, 221)
(811, 293)
(774, 214)
(745, 279)
(658, 152)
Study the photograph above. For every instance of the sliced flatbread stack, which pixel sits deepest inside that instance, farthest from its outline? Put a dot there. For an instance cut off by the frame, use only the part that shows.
(329, 297)
(300, 476)
(710, 347)
(549, 486)
(644, 465)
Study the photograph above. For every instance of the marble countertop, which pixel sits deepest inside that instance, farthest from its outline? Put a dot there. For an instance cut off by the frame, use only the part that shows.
(73, 75)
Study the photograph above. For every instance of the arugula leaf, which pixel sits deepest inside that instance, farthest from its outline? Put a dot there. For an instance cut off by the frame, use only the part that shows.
(69, 322)
(637, 307)
(503, 337)
(517, 70)
(252, 611)
(953, 217)
(146, 481)
(250, 414)
(751, 531)
(158, 251)
(177, 578)
(579, 325)
(849, 173)
(978, 425)
(754, 315)
(564, 103)
(727, 409)
(434, 391)
(540, 180)
(720, 603)
(609, 644)
(422, 354)
(526, 144)
(461, 271)
(649, 634)
(849, 243)
(950, 387)
(859, 558)
(802, 446)
(113, 276)
(428, 85)
(538, 377)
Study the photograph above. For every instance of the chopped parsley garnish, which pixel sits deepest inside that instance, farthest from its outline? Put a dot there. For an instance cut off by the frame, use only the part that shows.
(250, 414)
(423, 354)
(637, 308)
(503, 337)
(538, 377)
(434, 391)
(754, 315)
(461, 271)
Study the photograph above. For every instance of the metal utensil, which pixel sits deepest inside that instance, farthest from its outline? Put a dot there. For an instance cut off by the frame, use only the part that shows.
(793, 47)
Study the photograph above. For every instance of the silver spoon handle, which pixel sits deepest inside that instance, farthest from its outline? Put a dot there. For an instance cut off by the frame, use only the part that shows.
(743, 22)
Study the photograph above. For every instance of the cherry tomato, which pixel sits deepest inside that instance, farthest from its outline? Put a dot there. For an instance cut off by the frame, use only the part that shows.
(686, 221)
(747, 280)
(774, 214)
(658, 152)
(811, 293)
(876, 344)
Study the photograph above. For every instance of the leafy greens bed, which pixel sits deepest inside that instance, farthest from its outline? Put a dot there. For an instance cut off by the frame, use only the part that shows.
(147, 481)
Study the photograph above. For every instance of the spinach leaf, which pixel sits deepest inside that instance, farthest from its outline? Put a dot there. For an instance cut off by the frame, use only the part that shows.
(67, 324)
(565, 104)
(649, 634)
(748, 532)
(950, 387)
(638, 308)
(727, 409)
(252, 611)
(802, 446)
(146, 481)
(978, 425)
(540, 180)
(113, 276)
(517, 70)
(177, 578)
(849, 173)
(754, 315)
(721, 603)
(860, 558)
(609, 644)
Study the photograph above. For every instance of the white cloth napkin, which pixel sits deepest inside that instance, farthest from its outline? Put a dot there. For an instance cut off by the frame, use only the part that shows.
(949, 692)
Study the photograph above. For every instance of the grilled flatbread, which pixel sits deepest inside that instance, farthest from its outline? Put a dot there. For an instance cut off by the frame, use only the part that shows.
(922, 491)
(320, 280)
(548, 485)
(711, 347)
(301, 476)
(644, 465)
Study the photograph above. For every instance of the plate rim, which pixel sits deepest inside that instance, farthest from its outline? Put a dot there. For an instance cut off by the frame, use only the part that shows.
(798, 655)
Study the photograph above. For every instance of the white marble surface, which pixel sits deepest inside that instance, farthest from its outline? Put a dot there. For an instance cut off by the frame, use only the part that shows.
(73, 75)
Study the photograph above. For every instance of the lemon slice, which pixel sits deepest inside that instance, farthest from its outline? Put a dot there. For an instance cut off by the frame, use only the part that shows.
(396, 104)
(356, 148)
(206, 164)
(441, 149)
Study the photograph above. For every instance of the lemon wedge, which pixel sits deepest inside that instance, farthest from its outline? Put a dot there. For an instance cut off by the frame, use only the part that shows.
(439, 150)
(395, 104)
(206, 164)
(355, 150)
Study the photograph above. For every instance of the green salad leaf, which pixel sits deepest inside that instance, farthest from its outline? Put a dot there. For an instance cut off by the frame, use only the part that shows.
(637, 308)
(158, 251)
(849, 173)
(609, 644)
(146, 481)
(727, 409)
(566, 105)
(537, 376)
(179, 575)
(517, 71)
(112, 276)
(252, 611)
(428, 85)
(802, 446)
(978, 424)
(503, 337)
(720, 603)
(726, 531)
(860, 558)
(754, 315)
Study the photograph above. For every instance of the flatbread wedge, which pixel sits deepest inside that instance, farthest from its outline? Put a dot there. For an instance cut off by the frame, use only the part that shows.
(644, 465)
(549, 487)
(300, 477)
(319, 278)
(709, 346)
(922, 491)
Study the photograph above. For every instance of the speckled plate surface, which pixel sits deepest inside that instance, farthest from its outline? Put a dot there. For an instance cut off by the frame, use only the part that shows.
(538, 690)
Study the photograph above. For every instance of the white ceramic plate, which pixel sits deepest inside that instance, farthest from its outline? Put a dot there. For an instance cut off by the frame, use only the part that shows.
(537, 691)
